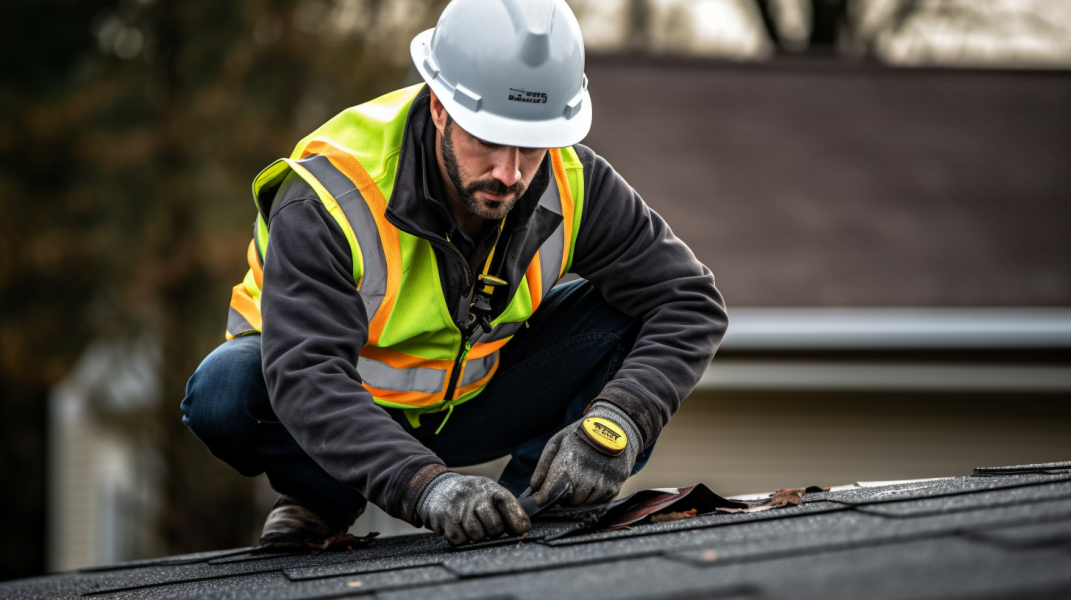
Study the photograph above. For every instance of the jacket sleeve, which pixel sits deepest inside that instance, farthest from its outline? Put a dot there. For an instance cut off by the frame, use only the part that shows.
(632, 257)
(314, 327)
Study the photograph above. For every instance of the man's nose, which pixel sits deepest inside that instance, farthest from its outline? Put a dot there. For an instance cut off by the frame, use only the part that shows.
(507, 167)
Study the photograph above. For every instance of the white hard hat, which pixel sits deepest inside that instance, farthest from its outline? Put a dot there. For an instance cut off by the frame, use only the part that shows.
(509, 71)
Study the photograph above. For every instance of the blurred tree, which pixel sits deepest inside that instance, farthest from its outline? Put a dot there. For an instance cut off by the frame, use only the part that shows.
(638, 22)
(824, 25)
(129, 135)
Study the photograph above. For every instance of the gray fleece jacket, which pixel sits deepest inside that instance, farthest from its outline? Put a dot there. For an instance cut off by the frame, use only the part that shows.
(314, 323)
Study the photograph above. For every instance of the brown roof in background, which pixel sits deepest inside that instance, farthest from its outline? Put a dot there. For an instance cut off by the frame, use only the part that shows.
(821, 183)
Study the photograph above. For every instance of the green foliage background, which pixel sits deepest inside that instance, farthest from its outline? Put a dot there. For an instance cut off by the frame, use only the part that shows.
(125, 206)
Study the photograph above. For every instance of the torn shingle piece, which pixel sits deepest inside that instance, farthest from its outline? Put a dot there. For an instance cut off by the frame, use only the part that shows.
(637, 508)
(671, 516)
(779, 499)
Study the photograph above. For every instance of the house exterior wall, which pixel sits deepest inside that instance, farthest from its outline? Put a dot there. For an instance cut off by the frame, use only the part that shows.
(822, 182)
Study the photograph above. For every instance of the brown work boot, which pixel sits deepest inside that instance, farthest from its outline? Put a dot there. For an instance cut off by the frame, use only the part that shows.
(290, 525)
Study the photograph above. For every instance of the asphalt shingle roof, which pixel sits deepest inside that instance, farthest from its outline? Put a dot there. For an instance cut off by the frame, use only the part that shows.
(988, 535)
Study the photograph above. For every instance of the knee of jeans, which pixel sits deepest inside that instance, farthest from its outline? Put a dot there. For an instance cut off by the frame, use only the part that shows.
(606, 317)
(217, 394)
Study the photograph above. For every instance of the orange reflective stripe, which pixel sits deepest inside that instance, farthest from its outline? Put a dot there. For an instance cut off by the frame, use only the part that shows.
(242, 302)
(479, 383)
(413, 399)
(401, 360)
(567, 204)
(353, 169)
(534, 274)
(482, 350)
(254, 264)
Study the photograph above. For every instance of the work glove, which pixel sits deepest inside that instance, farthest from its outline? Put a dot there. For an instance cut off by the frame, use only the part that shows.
(585, 451)
(466, 508)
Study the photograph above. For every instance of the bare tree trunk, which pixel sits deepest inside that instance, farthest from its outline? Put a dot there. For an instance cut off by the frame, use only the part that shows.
(638, 25)
(769, 22)
(829, 19)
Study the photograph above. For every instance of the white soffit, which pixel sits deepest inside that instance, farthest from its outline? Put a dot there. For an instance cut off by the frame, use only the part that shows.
(897, 328)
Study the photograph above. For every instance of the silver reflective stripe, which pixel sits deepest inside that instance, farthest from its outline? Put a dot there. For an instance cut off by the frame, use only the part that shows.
(499, 332)
(550, 258)
(237, 324)
(385, 377)
(551, 200)
(552, 250)
(257, 245)
(349, 198)
(478, 368)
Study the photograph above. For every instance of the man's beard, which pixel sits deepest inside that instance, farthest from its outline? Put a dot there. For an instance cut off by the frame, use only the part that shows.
(467, 191)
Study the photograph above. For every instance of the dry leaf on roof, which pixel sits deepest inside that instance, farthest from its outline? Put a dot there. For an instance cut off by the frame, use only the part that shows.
(674, 516)
(779, 499)
(345, 541)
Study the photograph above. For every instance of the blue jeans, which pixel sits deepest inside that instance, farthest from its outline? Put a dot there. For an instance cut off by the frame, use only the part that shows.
(547, 376)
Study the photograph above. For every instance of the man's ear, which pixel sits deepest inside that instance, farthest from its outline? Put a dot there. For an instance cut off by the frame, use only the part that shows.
(438, 113)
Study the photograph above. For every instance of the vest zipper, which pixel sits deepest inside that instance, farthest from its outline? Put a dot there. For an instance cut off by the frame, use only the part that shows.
(455, 373)
(462, 352)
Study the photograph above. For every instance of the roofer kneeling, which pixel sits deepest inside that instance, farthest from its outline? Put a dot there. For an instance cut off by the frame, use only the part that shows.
(402, 312)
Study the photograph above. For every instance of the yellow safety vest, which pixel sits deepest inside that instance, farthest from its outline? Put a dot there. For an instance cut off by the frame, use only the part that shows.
(415, 356)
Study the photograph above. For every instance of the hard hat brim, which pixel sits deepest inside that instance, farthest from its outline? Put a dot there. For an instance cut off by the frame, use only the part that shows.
(496, 129)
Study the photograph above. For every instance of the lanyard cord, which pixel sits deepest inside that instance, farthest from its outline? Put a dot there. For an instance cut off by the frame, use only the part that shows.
(489, 288)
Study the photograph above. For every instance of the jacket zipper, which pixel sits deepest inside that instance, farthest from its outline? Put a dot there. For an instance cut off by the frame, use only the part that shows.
(462, 352)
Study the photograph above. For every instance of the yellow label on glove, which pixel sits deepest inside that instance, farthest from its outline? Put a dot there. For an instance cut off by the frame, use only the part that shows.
(605, 435)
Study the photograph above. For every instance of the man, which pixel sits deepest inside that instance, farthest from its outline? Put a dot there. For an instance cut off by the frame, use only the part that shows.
(401, 317)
